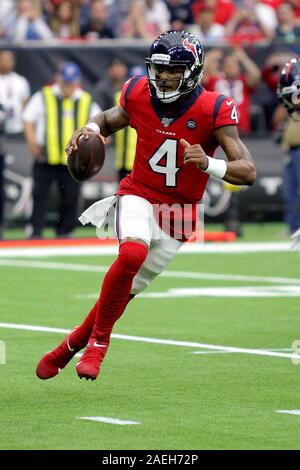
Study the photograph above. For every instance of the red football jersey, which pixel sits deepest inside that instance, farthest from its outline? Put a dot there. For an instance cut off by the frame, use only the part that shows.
(240, 91)
(159, 174)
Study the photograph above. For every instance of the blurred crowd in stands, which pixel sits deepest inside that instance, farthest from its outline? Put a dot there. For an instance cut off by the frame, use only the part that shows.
(229, 21)
(224, 26)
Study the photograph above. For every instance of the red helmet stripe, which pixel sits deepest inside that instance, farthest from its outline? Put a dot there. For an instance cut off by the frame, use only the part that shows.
(288, 70)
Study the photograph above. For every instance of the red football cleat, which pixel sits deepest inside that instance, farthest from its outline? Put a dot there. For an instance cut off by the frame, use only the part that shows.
(89, 365)
(51, 363)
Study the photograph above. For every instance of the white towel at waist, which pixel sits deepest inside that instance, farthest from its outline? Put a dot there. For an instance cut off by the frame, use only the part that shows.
(97, 213)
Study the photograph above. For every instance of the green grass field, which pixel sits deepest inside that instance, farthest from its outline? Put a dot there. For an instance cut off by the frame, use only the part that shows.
(181, 400)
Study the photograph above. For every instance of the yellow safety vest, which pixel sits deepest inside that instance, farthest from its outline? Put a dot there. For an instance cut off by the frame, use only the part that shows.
(125, 142)
(63, 116)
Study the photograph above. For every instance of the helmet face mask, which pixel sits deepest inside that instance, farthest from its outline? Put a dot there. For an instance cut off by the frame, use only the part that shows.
(180, 51)
(288, 90)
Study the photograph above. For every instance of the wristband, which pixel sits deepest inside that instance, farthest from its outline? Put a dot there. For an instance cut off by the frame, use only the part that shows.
(93, 127)
(216, 167)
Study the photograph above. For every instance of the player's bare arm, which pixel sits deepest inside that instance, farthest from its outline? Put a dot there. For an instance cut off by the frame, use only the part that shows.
(109, 122)
(240, 167)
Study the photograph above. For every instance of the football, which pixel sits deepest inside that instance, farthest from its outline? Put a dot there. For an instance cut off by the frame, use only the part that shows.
(88, 159)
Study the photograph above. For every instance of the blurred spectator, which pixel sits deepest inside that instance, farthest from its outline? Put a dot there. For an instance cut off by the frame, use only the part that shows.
(105, 90)
(97, 24)
(14, 93)
(29, 23)
(247, 25)
(212, 65)
(48, 7)
(65, 20)
(266, 16)
(84, 7)
(296, 7)
(158, 15)
(237, 84)
(287, 30)
(289, 129)
(205, 28)
(232, 217)
(136, 26)
(7, 14)
(2, 160)
(117, 11)
(50, 118)
(107, 94)
(180, 13)
(224, 9)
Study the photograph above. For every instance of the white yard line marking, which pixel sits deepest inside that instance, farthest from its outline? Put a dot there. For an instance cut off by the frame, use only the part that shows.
(172, 274)
(186, 344)
(103, 419)
(246, 291)
(15, 263)
(207, 248)
(288, 412)
(182, 292)
(230, 277)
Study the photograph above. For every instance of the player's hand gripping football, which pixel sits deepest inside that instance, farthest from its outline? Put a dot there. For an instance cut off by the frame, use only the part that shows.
(194, 154)
(72, 145)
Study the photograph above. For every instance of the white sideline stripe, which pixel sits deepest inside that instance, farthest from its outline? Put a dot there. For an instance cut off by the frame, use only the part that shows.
(206, 248)
(103, 419)
(172, 274)
(186, 344)
(288, 412)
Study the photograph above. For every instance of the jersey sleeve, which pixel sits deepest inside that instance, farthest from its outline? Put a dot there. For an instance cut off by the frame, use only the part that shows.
(126, 97)
(123, 99)
(225, 112)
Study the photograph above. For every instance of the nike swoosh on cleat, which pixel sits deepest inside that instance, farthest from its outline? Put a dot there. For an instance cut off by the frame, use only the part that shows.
(69, 347)
(229, 102)
(99, 345)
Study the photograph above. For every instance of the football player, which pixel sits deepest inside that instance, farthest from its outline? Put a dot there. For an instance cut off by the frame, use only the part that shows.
(288, 92)
(179, 126)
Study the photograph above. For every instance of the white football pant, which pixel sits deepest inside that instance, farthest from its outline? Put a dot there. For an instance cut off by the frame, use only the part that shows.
(134, 219)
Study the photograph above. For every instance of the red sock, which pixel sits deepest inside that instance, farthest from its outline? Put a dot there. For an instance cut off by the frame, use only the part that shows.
(81, 335)
(116, 288)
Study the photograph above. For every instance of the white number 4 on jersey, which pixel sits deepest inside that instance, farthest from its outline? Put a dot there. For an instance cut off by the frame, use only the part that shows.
(168, 149)
(234, 114)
